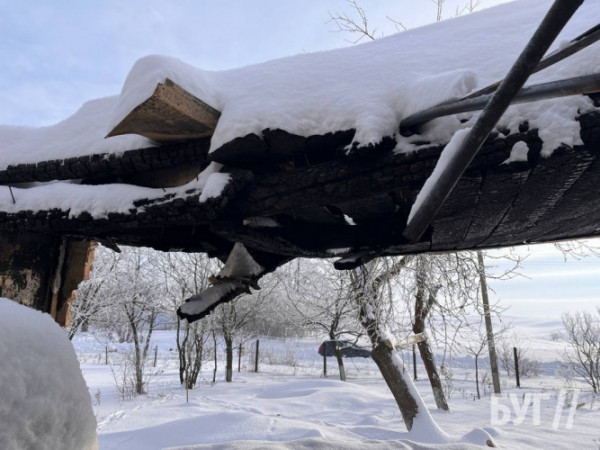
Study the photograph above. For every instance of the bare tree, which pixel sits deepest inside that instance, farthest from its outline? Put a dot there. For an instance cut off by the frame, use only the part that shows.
(475, 343)
(93, 295)
(424, 301)
(506, 356)
(323, 301)
(468, 7)
(232, 317)
(141, 295)
(357, 26)
(185, 274)
(582, 333)
(369, 283)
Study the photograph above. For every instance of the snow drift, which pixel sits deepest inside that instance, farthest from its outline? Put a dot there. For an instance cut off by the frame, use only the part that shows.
(45, 403)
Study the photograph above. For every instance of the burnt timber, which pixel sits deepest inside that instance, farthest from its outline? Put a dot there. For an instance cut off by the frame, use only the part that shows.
(308, 186)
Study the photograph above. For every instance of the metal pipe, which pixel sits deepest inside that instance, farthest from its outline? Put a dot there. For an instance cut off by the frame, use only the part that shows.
(586, 84)
(554, 21)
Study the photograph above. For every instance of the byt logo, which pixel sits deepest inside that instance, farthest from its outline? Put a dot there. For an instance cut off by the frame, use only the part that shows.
(515, 408)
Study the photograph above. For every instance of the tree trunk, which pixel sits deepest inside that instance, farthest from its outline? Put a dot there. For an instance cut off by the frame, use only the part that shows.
(422, 310)
(433, 375)
(477, 375)
(390, 364)
(214, 335)
(395, 377)
(338, 356)
(181, 351)
(488, 325)
(229, 358)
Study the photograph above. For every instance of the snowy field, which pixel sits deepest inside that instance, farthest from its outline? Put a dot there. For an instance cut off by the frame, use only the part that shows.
(289, 404)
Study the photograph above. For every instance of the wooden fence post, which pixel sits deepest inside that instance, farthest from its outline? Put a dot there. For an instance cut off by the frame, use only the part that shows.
(256, 356)
(414, 362)
(240, 358)
(515, 353)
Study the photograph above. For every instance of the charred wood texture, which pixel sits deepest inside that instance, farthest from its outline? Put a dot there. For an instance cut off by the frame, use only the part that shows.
(107, 167)
(324, 201)
(43, 271)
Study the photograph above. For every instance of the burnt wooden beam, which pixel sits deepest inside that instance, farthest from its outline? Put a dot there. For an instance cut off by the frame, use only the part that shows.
(101, 168)
(487, 210)
(350, 179)
(536, 207)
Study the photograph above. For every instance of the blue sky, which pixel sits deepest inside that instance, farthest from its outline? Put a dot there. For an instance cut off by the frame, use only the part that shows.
(57, 54)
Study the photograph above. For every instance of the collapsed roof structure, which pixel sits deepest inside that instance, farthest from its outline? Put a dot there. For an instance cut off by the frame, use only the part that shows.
(305, 157)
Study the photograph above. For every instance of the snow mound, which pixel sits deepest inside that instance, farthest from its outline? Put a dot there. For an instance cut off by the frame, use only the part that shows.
(312, 443)
(45, 403)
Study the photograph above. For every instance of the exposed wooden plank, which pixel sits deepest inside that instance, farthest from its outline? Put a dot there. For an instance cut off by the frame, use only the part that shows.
(499, 190)
(170, 114)
(545, 187)
(576, 213)
(104, 167)
(455, 216)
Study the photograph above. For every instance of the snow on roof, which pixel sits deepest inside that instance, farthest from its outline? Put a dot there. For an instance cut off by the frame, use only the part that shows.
(79, 135)
(111, 198)
(368, 87)
(45, 401)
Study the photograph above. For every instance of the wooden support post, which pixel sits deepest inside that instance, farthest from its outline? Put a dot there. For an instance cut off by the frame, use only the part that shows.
(27, 268)
(43, 271)
(78, 263)
(240, 358)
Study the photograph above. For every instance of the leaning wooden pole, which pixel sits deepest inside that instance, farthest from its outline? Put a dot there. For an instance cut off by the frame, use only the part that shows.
(556, 18)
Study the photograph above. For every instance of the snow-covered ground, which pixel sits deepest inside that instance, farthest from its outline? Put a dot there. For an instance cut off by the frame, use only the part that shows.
(289, 404)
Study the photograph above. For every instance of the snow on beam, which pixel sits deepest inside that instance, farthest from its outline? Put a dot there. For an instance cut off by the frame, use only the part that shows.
(170, 114)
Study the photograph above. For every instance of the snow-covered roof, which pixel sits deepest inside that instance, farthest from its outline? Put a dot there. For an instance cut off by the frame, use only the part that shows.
(368, 88)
